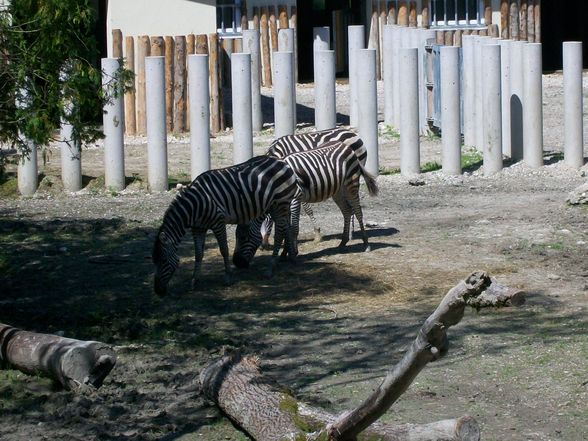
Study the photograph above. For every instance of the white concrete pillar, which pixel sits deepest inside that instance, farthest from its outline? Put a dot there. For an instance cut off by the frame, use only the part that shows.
(251, 45)
(199, 114)
(71, 159)
(533, 97)
(27, 170)
(492, 102)
(286, 44)
(114, 137)
(573, 102)
(409, 112)
(396, 43)
(241, 100)
(450, 112)
(283, 103)
(368, 106)
(480, 67)
(469, 91)
(422, 36)
(505, 46)
(355, 41)
(325, 113)
(156, 130)
(517, 81)
(388, 74)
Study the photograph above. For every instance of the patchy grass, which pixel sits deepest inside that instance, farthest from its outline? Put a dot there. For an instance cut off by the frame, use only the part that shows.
(430, 166)
(471, 160)
(387, 131)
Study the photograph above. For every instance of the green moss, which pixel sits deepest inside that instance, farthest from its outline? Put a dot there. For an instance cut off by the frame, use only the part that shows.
(289, 404)
(9, 187)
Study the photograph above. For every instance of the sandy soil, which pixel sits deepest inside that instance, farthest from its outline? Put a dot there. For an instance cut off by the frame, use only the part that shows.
(329, 326)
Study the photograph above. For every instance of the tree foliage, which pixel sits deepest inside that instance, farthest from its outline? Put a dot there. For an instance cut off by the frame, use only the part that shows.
(49, 73)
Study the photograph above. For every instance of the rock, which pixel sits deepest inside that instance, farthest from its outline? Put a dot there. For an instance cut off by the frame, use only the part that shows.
(579, 195)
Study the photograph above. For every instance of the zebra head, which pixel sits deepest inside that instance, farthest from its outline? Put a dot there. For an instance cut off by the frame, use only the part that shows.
(166, 261)
(248, 240)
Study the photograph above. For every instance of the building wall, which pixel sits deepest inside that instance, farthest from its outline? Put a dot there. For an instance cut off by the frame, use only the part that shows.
(156, 17)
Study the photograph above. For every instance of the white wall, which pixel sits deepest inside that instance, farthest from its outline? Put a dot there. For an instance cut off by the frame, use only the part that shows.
(158, 17)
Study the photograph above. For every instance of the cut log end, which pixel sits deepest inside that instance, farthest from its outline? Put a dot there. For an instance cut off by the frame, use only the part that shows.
(467, 429)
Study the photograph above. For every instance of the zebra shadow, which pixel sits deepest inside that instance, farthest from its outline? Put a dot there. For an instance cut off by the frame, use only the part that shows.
(354, 248)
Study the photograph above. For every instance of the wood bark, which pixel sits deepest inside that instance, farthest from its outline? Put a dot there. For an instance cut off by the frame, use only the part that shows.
(283, 16)
(130, 117)
(374, 42)
(268, 413)
(244, 16)
(487, 12)
(425, 16)
(403, 13)
(117, 43)
(213, 66)
(531, 21)
(180, 85)
(190, 44)
(273, 28)
(412, 14)
(157, 47)
(514, 20)
(75, 364)
(523, 20)
(537, 13)
(392, 12)
(169, 83)
(255, 19)
(265, 48)
(504, 31)
(143, 50)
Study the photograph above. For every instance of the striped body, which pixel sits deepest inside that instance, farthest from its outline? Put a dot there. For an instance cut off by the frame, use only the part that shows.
(330, 171)
(233, 195)
(290, 144)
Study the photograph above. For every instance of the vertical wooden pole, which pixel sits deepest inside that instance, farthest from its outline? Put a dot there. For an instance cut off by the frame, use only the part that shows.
(157, 47)
(117, 45)
(457, 37)
(265, 48)
(392, 12)
(523, 20)
(294, 25)
(283, 16)
(448, 38)
(537, 12)
(255, 17)
(244, 16)
(143, 49)
(226, 49)
(130, 117)
(488, 12)
(425, 17)
(440, 37)
(190, 44)
(514, 20)
(179, 120)
(493, 30)
(403, 13)
(374, 41)
(273, 26)
(201, 46)
(531, 21)
(504, 22)
(412, 15)
(169, 82)
(215, 108)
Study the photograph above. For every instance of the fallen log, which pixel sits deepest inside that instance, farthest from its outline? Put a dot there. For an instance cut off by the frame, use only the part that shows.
(75, 364)
(267, 412)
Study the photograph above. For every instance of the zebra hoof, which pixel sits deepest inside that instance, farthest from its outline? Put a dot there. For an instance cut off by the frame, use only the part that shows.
(342, 244)
(367, 249)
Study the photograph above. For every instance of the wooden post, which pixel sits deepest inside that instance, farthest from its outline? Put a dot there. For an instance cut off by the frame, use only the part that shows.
(244, 16)
(523, 20)
(483, 32)
(425, 16)
(215, 105)
(448, 38)
(283, 16)
(179, 120)
(273, 27)
(504, 22)
(157, 47)
(294, 25)
(255, 17)
(440, 37)
(488, 12)
(190, 44)
(130, 116)
(457, 37)
(412, 15)
(531, 21)
(374, 41)
(117, 47)
(226, 49)
(392, 12)
(201, 44)
(265, 48)
(143, 50)
(493, 30)
(169, 83)
(403, 14)
(537, 13)
(514, 20)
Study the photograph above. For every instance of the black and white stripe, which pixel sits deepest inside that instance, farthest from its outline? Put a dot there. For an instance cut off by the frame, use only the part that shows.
(233, 195)
(330, 171)
(289, 144)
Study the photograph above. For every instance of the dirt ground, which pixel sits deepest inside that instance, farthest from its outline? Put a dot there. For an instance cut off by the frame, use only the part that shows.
(329, 326)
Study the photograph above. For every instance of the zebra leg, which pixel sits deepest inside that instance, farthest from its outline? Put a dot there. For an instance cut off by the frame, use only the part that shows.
(317, 230)
(199, 237)
(281, 216)
(266, 232)
(347, 212)
(291, 246)
(220, 232)
(352, 195)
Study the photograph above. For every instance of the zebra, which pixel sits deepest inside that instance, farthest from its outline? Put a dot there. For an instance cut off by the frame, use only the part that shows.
(232, 195)
(288, 144)
(330, 171)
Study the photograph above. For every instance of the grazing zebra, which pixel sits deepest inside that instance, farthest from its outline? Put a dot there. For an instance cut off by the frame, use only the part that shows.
(233, 195)
(330, 171)
(286, 145)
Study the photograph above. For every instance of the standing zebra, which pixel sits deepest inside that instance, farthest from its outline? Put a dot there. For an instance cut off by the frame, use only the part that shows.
(286, 145)
(233, 195)
(330, 171)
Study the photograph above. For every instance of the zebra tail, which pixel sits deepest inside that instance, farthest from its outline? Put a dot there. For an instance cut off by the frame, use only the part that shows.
(370, 181)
